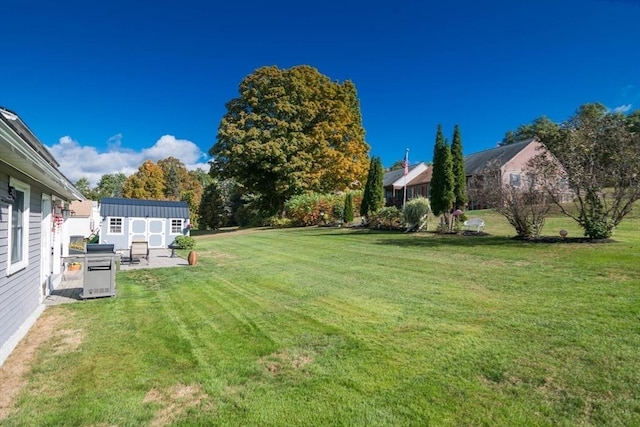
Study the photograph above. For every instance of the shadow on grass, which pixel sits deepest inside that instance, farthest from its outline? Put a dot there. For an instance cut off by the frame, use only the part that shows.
(467, 239)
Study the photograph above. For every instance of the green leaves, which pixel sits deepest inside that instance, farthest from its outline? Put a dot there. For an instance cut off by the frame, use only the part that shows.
(373, 198)
(600, 154)
(442, 181)
(289, 132)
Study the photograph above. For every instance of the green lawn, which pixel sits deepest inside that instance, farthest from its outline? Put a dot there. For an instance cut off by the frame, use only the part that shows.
(327, 326)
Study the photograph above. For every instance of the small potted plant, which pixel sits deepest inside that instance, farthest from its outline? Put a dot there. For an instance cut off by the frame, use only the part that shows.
(74, 266)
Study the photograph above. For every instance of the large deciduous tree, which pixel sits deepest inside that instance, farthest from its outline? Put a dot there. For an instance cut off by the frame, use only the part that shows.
(182, 184)
(147, 183)
(459, 176)
(373, 197)
(528, 131)
(212, 213)
(599, 152)
(291, 131)
(442, 180)
(111, 185)
(84, 187)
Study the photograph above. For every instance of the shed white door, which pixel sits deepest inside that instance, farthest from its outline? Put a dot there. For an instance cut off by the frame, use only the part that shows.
(150, 230)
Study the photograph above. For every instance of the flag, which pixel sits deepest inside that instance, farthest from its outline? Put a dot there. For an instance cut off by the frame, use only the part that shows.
(405, 162)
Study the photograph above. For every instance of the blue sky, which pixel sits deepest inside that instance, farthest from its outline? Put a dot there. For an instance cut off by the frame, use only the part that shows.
(106, 85)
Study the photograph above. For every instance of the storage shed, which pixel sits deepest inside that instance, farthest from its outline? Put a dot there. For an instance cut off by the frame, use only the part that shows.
(157, 222)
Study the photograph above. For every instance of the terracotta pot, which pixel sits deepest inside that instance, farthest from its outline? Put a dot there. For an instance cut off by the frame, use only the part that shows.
(192, 258)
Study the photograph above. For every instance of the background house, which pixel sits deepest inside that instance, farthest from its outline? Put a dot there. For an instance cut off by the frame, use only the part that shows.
(394, 184)
(157, 222)
(83, 221)
(34, 197)
(511, 160)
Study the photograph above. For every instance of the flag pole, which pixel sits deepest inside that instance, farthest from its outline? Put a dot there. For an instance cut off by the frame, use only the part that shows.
(405, 163)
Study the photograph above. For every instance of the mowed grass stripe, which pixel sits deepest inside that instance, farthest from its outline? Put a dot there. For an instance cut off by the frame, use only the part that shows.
(321, 326)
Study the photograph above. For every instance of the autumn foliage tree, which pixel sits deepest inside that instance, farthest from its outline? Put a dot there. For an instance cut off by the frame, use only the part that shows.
(147, 183)
(182, 184)
(291, 131)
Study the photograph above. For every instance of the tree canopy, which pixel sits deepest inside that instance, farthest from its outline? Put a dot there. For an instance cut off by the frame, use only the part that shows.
(291, 131)
(599, 152)
(147, 183)
(110, 185)
(527, 131)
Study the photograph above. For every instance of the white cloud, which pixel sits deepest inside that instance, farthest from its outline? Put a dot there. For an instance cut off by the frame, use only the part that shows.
(77, 161)
(622, 109)
(168, 146)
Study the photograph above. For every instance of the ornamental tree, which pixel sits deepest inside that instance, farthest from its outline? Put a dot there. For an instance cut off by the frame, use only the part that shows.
(599, 154)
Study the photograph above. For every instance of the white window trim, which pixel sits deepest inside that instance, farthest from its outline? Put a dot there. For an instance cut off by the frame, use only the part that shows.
(181, 225)
(24, 263)
(121, 225)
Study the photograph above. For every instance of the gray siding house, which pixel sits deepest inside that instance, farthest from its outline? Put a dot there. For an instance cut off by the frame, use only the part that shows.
(157, 222)
(34, 195)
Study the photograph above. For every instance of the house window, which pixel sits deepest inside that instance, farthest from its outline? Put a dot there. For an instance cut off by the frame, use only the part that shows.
(515, 179)
(18, 217)
(176, 226)
(115, 225)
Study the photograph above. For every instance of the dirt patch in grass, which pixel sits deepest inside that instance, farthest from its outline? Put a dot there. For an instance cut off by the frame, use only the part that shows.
(282, 361)
(174, 402)
(15, 371)
(68, 340)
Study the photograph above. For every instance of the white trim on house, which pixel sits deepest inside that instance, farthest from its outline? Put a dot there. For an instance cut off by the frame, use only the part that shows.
(18, 225)
(413, 173)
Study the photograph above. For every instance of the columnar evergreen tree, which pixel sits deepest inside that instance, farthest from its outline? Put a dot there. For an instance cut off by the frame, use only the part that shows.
(348, 208)
(459, 176)
(373, 197)
(442, 181)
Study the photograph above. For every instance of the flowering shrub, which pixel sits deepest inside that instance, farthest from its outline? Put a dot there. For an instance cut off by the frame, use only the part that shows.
(312, 209)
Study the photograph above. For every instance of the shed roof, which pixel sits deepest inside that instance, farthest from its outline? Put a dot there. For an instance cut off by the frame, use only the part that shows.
(139, 208)
(476, 162)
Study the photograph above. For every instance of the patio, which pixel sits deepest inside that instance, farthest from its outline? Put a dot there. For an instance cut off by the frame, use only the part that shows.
(71, 284)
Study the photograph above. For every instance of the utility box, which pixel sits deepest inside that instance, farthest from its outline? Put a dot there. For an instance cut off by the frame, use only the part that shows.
(99, 271)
